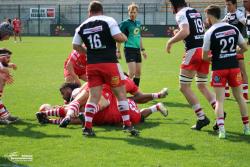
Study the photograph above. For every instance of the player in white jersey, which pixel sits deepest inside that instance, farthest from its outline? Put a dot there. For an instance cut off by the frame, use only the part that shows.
(246, 4)
(222, 40)
(237, 18)
(191, 32)
(100, 33)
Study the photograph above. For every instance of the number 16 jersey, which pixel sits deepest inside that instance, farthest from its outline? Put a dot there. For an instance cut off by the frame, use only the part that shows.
(97, 34)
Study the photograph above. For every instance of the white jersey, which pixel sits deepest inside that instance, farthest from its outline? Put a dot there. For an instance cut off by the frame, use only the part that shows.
(237, 19)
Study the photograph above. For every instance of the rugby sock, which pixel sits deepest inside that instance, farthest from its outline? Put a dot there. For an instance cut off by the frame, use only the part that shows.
(90, 110)
(154, 108)
(58, 111)
(198, 111)
(227, 91)
(245, 121)
(123, 108)
(55, 121)
(137, 81)
(213, 104)
(220, 123)
(73, 109)
(245, 90)
(156, 95)
(3, 112)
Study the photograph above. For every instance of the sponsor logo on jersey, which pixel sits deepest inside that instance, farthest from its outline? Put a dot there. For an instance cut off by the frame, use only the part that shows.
(223, 56)
(194, 15)
(199, 36)
(225, 33)
(92, 30)
(136, 31)
(217, 79)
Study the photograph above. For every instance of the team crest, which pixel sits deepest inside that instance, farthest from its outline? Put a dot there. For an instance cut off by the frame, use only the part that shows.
(136, 31)
(217, 79)
(115, 81)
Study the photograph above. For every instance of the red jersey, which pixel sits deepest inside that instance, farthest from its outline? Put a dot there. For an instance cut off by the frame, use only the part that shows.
(17, 24)
(78, 61)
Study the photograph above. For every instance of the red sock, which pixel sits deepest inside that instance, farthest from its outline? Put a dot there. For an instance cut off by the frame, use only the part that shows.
(213, 104)
(123, 108)
(227, 91)
(245, 120)
(90, 110)
(73, 109)
(198, 111)
(58, 111)
(245, 90)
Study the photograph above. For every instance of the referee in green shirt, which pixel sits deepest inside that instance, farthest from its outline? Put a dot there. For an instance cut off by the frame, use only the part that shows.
(133, 48)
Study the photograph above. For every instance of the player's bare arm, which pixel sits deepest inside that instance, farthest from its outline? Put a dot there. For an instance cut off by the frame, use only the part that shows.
(120, 38)
(205, 56)
(79, 48)
(69, 67)
(242, 48)
(118, 50)
(182, 34)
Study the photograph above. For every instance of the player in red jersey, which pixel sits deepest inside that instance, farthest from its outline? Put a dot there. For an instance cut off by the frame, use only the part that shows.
(137, 95)
(108, 113)
(75, 68)
(222, 40)
(191, 32)
(5, 78)
(17, 28)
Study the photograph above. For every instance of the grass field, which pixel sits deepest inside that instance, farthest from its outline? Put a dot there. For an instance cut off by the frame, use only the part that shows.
(163, 141)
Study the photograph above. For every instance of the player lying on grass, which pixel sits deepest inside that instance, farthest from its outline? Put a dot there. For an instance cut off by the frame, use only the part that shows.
(75, 67)
(107, 114)
(5, 78)
(130, 87)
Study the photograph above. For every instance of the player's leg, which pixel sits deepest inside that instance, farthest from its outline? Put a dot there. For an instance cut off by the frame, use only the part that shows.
(137, 74)
(244, 79)
(243, 108)
(91, 108)
(5, 116)
(73, 108)
(141, 98)
(15, 34)
(159, 107)
(201, 82)
(131, 69)
(186, 77)
(123, 107)
(138, 68)
(19, 34)
(227, 91)
(220, 96)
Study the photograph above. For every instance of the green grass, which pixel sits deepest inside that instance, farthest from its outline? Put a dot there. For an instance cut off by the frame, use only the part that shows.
(163, 141)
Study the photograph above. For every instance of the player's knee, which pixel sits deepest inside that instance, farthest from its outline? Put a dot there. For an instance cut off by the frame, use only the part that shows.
(185, 81)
